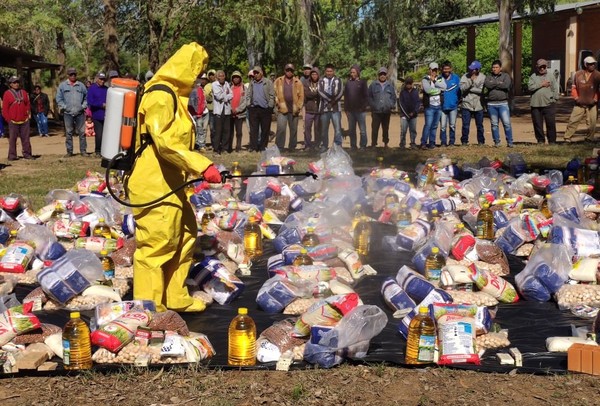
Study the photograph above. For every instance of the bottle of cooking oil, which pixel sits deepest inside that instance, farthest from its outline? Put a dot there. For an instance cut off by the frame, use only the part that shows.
(362, 237)
(102, 229)
(237, 172)
(241, 350)
(380, 162)
(433, 265)
(357, 214)
(108, 265)
(403, 218)
(570, 180)
(421, 339)
(310, 239)
(77, 348)
(207, 217)
(544, 208)
(12, 237)
(303, 258)
(485, 223)
(390, 199)
(252, 238)
(435, 215)
(426, 176)
(59, 210)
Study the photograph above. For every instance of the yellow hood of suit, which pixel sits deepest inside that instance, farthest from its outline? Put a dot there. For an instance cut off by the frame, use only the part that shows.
(182, 69)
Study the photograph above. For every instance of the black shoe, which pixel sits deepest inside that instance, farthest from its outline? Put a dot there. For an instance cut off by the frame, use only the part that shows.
(68, 155)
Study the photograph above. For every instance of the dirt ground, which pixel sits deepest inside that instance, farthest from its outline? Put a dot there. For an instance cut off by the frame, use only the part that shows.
(520, 120)
(345, 385)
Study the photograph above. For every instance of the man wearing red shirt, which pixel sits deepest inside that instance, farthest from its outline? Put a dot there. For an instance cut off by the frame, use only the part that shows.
(17, 112)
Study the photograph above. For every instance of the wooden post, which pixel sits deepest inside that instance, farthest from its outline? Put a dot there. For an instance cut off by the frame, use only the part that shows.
(471, 56)
(517, 56)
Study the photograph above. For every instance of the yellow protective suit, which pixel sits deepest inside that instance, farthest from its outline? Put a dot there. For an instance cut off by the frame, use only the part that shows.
(166, 232)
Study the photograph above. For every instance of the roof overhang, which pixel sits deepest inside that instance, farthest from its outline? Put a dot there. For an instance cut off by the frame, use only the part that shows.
(493, 17)
(14, 58)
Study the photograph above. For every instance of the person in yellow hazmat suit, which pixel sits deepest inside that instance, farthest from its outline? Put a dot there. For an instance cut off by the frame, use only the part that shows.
(166, 232)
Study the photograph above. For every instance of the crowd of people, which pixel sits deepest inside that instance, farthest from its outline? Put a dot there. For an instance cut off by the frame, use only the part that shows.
(221, 107)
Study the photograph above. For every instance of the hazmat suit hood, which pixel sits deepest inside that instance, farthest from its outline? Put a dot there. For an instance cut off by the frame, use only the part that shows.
(182, 69)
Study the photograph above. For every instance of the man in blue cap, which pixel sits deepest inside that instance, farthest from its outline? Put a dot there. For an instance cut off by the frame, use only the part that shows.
(471, 87)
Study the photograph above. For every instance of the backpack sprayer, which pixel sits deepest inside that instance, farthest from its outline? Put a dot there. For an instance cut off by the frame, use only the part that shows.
(118, 137)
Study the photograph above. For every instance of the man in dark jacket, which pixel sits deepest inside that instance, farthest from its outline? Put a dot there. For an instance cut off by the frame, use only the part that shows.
(382, 99)
(409, 104)
(311, 110)
(40, 107)
(498, 85)
(355, 103)
(96, 99)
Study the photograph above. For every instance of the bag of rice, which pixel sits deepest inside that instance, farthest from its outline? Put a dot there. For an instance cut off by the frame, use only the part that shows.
(17, 320)
(456, 333)
(493, 285)
(118, 333)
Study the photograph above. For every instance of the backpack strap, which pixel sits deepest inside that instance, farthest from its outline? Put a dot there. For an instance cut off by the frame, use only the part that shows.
(164, 88)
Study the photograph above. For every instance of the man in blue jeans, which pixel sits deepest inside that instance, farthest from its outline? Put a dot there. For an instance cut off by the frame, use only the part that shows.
(433, 85)
(471, 88)
(450, 103)
(498, 85)
(71, 98)
(331, 90)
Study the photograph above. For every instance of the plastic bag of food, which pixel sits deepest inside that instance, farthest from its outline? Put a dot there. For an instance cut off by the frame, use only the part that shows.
(326, 312)
(350, 338)
(278, 292)
(353, 263)
(585, 270)
(456, 333)
(17, 257)
(571, 296)
(275, 340)
(545, 273)
(396, 298)
(488, 251)
(17, 320)
(118, 333)
(107, 312)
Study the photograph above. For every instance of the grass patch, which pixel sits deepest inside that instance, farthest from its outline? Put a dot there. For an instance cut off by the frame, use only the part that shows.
(34, 179)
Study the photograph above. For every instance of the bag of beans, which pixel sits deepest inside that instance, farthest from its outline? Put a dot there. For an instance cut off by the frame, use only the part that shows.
(17, 320)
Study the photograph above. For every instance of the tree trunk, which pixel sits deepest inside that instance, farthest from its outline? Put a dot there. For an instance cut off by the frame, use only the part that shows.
(252, 49)
(154, 29)
(393, 51)
(37, 50)
(111, 43)
(306, 7)
(61, 52)
(505, 12)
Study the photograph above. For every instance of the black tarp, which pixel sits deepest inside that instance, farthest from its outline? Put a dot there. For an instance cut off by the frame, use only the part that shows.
(528, 323)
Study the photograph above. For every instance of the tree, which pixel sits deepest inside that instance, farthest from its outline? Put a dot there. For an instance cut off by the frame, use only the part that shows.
(111, 43)
(506, 8)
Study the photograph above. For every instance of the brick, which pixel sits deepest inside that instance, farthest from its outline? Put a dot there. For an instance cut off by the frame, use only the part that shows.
(586, 359)
(596, 361)
(48, 366)
(574, 358)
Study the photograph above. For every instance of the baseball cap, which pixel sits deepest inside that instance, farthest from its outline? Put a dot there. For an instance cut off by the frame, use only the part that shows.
(113, 74)
(589, 60)
(204, 76)
(434, 65)
(251, 73)
(212, 72)
(13, 79)
(237, 73)
(289, 66)
(307, 66)
(71, 71)
(257, 69)
(315, 69)
(101, 75)
(382, 70)
(475, 65)
(149, 75)
(541, 62)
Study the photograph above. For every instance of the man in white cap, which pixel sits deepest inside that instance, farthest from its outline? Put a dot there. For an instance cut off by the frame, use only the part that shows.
(433, 85)
(585, 90)
(544, 95)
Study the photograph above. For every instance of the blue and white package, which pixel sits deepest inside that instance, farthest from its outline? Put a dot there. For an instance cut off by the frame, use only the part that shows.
(275, 294)
(418, 288)
(286, 237)
(128, 226)
(4, 234)
(402, 187)
(290, 253)
(396, 298)
(274, 262)
(552, 280)
(410, 237)
(202, 198)
(510, 240)
(584, 243)
(532, 289)
(55, 251)
(54, 286)
(500, 219)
